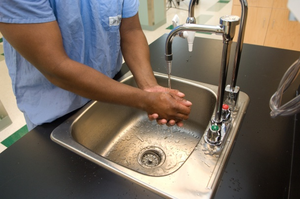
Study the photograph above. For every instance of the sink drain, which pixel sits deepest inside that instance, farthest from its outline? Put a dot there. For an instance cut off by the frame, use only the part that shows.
(151, 157)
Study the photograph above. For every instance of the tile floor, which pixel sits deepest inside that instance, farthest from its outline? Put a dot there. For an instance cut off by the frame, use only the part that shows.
(207, 12)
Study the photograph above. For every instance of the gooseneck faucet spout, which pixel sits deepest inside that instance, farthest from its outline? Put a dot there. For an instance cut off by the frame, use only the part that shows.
(227, 30)
(191, 17)
(187, 27)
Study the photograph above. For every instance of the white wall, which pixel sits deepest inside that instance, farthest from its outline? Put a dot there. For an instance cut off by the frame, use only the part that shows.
(294, 6)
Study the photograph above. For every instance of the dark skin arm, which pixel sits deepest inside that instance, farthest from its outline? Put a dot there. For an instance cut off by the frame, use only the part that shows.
(136, 54)
(43, 42)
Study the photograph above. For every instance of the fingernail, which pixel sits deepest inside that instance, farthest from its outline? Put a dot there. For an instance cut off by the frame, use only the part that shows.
(180, 93)
(189, 102)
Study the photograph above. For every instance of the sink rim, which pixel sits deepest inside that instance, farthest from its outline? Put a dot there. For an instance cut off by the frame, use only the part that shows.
(192, 185)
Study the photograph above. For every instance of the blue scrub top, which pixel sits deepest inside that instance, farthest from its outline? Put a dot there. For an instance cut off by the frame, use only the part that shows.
(90, 32)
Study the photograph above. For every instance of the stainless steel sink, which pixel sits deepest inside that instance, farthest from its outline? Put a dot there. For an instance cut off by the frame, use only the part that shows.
(171, 161)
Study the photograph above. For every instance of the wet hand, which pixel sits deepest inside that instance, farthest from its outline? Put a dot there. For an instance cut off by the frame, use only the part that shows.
(172, 99)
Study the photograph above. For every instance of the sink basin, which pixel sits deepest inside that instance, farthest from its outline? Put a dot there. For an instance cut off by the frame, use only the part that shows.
(168, 160)
(126, 136)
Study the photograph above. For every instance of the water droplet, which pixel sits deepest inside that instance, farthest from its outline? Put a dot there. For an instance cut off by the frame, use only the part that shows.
(141, 139)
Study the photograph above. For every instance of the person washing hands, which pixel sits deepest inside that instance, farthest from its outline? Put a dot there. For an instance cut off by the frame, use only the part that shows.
(62, 54)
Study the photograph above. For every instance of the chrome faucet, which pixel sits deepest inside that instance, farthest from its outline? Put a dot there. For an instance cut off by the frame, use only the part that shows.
(232, 90)
(226, 29)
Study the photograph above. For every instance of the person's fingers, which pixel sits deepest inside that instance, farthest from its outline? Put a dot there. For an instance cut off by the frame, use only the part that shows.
(153, 116)
(164, 121)
(167, 90)
(179, 123)
(168, 109)
(161, 121)
(185, 102)
(175, 92)
(181, 100)
(182, 112)
(180, 117)
(171, 123)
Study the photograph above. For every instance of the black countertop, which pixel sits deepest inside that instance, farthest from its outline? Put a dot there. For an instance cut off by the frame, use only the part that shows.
(259, 165)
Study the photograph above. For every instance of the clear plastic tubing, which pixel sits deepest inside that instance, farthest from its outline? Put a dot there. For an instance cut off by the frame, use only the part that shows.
(293, 106)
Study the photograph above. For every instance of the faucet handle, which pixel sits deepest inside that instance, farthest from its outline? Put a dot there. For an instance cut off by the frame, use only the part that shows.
(226, 113)
(214, 134)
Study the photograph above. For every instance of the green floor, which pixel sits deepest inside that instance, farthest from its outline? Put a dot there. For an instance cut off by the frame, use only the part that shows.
(22, 131)
(1, 49)
(15, 137)
(218, 6)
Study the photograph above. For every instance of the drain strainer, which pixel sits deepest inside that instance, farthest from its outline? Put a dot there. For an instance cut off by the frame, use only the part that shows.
(151, 157)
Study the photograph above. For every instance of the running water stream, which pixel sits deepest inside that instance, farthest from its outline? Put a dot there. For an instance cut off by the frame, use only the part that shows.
(169, 67)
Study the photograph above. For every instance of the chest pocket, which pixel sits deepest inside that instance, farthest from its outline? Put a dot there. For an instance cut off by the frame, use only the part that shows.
(111, 14)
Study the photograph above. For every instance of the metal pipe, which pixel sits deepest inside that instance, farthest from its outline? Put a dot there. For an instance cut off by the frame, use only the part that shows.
(222, 80)
(239, 45)
(191, 16)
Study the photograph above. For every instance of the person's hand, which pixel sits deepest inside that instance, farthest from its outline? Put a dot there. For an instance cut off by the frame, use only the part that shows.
(173, 99)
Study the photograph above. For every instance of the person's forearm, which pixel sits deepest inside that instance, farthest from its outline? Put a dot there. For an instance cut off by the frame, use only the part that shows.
(87, 82)
(43, 43)
(135, 50)
(92, 84)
